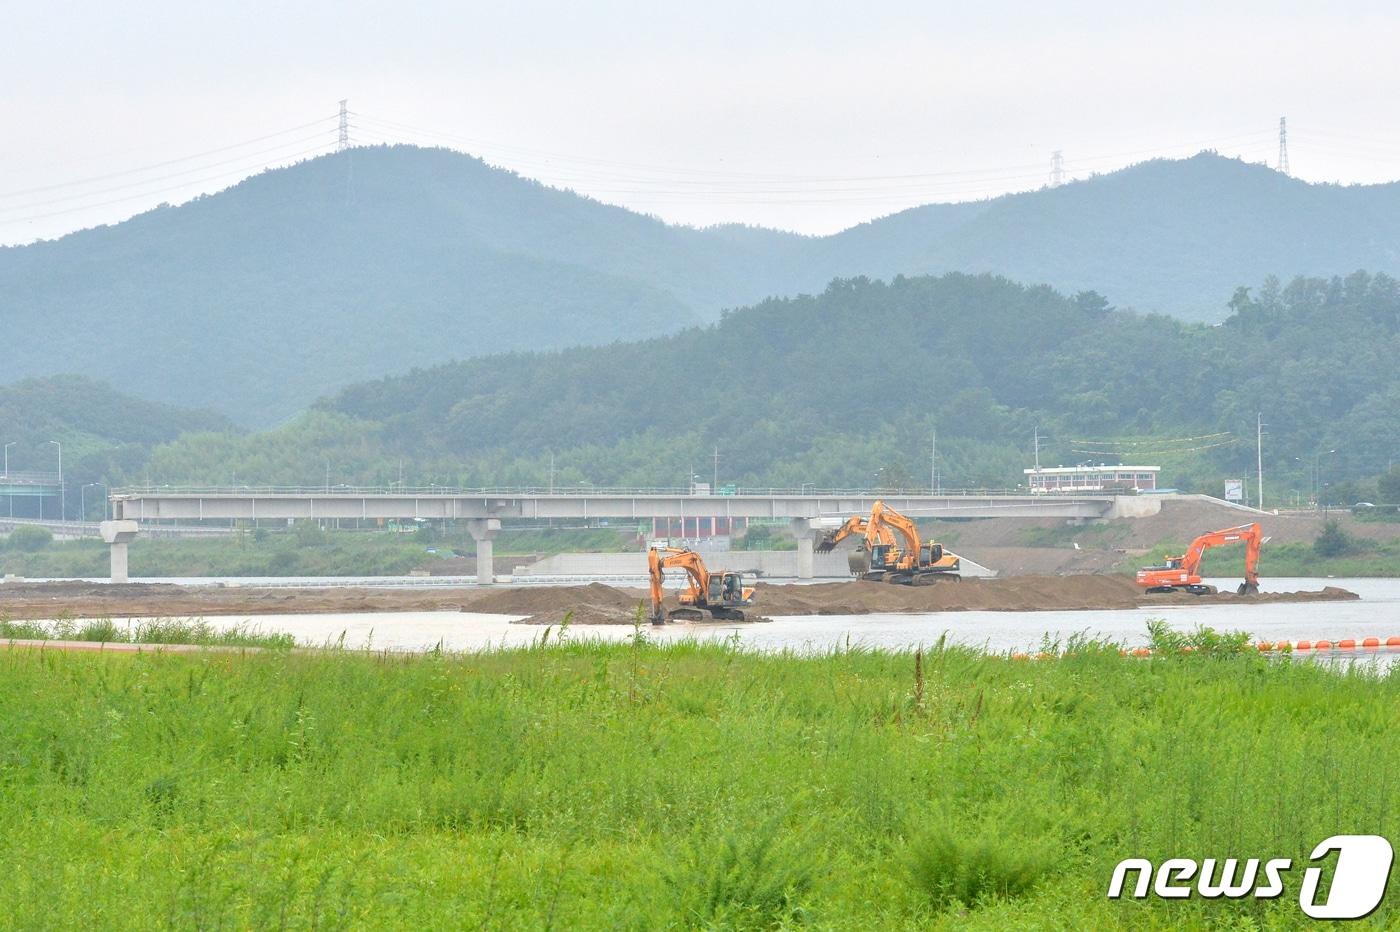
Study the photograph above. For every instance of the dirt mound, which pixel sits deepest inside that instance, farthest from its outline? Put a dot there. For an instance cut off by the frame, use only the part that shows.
(600, 604)
(1012, 594)
(597, 603)
(528, 601)
(582, 615)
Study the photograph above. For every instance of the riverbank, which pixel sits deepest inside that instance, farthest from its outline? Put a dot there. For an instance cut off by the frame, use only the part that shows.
(305, 550)
(643, 786)
(601, 604)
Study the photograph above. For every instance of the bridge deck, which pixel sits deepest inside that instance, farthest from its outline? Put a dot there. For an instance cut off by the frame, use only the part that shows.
(273, 504)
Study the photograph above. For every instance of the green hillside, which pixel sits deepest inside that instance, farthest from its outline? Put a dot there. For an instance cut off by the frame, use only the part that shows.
(845, 389)
(106, 436)
(292, 284)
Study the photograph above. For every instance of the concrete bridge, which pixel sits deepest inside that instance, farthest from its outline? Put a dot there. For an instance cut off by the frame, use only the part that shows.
(485, 509)
(78, 530)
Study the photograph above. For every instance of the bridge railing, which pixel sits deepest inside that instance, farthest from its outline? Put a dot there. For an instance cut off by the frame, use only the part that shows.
(545, 492)
(16, 477)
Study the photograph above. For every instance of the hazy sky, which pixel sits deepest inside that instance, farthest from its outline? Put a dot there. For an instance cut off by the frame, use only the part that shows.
(808, 116)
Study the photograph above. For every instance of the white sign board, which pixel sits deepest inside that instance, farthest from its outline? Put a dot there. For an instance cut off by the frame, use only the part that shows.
(1234, 490)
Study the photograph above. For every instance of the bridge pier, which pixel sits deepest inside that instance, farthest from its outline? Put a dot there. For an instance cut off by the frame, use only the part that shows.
(118, 534)
(484, 531)
(802, 530)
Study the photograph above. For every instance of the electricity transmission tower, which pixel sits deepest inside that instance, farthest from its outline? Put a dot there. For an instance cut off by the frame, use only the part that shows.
(1057, 168)
(343, 142)
(1283, 145)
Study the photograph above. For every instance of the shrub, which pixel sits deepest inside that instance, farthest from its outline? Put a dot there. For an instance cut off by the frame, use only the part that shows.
(947, 868)
(1334, 542)
(30, 538)
(753, 879)
(1163, 639)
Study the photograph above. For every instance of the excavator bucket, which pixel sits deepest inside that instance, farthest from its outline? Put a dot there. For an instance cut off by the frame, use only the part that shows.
(859, 561)
(827, 543)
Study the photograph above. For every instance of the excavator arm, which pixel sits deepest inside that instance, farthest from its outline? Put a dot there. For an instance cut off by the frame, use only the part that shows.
(855, 525)
(659, 560)
(1249, 534)
(882, 516)
(1185, 571)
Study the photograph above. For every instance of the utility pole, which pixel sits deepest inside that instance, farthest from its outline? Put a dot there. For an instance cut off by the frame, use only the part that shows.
(62, 488)
(933, 465)
(1259, 454)
(343, 141)
(1057, 168)
(551, 472)
(9, 489)
(714, 487)
(1037, 449)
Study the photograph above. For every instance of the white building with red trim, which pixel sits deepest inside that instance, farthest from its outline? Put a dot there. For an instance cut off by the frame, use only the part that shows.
(1092, 478)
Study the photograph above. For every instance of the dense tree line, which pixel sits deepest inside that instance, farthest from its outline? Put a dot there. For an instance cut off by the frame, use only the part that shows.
(847, 387)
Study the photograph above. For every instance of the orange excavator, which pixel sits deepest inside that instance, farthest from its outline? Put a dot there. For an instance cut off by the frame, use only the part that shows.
(1184, 572)
(916, 563)
(719, 595)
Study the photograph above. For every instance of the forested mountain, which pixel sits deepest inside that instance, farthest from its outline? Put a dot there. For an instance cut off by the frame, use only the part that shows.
(301, 280)
(105, 435)
(846, 388)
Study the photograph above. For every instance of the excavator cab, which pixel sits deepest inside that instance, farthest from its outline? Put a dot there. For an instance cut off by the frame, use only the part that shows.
(726, 589)
(882, 556)
(930, 554)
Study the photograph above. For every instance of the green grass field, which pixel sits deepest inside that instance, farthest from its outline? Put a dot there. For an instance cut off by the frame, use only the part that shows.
(642, 787)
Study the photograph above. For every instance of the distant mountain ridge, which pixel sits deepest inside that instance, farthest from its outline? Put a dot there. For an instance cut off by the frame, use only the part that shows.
(257, 300)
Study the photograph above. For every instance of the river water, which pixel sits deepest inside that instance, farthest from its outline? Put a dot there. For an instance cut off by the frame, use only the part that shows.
(1376, 614)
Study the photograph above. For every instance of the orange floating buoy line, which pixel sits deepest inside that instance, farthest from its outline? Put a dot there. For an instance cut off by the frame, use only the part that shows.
(1370, 643)
(1265, 647)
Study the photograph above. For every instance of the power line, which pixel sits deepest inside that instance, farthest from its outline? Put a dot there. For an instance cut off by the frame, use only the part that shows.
(1149, 441)
(161, 179)
(314, 150)
(152, 167)
(549, 158)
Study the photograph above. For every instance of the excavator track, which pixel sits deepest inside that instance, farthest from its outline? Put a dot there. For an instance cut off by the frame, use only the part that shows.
(920, 579)
(696, 614)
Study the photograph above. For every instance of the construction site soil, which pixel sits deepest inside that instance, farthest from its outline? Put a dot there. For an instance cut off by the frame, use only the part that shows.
(600, 604)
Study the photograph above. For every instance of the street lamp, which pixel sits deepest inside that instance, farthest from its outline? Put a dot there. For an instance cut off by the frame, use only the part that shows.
(9, 492)
(62, 489)
(1326, 505)
(82, 501)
